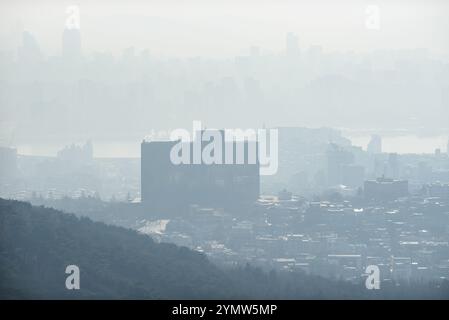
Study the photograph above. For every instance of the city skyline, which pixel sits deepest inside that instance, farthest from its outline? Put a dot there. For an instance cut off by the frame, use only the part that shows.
(204, 28)
(204, 149)
(412, 138)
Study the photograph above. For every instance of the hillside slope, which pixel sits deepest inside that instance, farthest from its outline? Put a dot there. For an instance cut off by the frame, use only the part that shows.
(37, 243)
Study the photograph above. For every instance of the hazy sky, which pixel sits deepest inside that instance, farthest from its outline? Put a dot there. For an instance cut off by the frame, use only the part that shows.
(227, 28)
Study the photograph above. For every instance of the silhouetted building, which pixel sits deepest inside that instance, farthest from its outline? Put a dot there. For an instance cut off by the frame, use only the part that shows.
(254, 51)
(71, 44)
(337, 159)
(291, 44)
(438, 190)
(424, 172)
(375, 145)
(441, 175)
(29, 52)
(353, 175)
(393, 166)
(447, 148)
(385, 189)
(76, 154)
(166, 186)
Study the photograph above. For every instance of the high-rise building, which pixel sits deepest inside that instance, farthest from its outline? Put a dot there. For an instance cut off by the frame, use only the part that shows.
(438, 190)
(393, 166)
(166, 186)
(29, 51)
(254, 52)
(447, 148)
(291, 44)
(71, 44)
(352, 175)
(338, 161)
(375, 145)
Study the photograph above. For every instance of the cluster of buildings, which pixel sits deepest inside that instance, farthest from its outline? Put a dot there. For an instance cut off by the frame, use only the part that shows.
(73, 172)
(331, 209)
(407, 238)
(389, 222)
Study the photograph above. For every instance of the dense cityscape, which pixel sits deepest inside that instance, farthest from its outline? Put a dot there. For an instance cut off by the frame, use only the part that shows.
(221, 150)
(359, 208)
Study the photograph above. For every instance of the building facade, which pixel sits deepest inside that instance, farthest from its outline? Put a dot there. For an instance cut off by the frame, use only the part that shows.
(168, 186)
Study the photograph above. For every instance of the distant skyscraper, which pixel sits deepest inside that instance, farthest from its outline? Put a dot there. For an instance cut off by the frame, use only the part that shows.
(71, 44)
(314, 54)
(291, 44)
(29, 51)
(447, 148)
(393, 165)
(254, 51)
(375, 145)
(128, 54)
(338, 159)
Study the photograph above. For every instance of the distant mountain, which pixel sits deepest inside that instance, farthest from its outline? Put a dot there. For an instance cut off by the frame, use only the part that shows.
(37, 243)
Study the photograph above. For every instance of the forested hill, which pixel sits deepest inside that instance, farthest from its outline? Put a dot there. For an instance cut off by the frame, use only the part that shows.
(38, 243)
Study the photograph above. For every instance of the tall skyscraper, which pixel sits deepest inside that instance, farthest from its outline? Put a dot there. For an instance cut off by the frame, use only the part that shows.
(254, 52)
(291, 44)
(71, 44)
(393, 166)
(29, 51)
(447, 148)
(375, 144)
(338, 164)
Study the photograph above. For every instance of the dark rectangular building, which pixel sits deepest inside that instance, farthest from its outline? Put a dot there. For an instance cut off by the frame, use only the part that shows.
(167, 186)
(385, 189)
